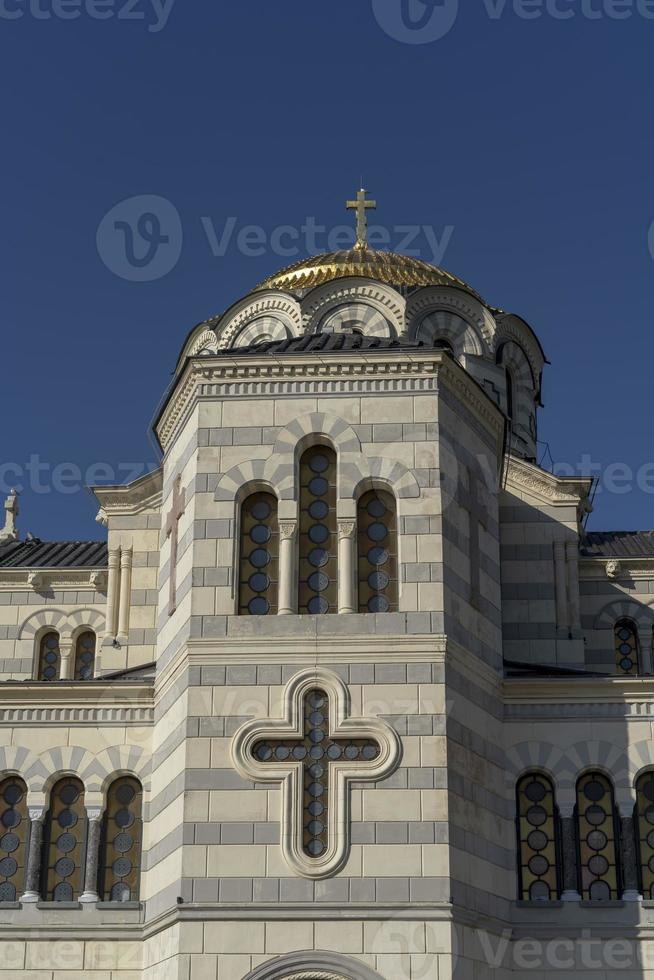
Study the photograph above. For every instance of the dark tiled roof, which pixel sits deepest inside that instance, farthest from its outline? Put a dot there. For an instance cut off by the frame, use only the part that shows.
(326, 343)
(618, 544)
(516, 668)
(53, 554)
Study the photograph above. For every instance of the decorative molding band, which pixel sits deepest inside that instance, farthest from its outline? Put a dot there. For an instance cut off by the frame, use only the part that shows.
(134, 498)
(552, 489)
(77, 716)
(45, 579)
(289, 773)
(313, 965)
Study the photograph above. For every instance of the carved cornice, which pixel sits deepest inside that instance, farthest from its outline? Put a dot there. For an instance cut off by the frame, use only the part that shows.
(134, 498)
(89, 703)
(629, 568)
(43, 580)
(277, 375)
(522, 475)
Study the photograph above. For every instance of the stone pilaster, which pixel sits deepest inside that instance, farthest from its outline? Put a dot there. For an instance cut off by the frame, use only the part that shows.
(125, 592)
(94, 837)
(346, 544)
(287, 590)
(32, 891)
(631, 886)
(569, 853)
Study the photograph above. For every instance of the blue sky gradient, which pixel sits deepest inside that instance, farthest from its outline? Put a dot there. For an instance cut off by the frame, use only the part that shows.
(530, 139)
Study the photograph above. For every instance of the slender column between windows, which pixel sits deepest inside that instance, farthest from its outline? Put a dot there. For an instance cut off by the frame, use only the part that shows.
(66, 654)
(631, 887)
(33, 873)
(569, 853)
(125, 590)
(346, 541)
(287, 590)
(90, 893)
(112, 593)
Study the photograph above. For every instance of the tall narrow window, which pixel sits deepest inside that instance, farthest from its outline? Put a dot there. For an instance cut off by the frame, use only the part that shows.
(599, 870)
(49, 657)
(85, 656)
(259, 556)
(64, 842)
(13, 842)
(318, 538)
(377, 540)
(645, 832)
(626, 647)
(539, 864)
(121, 842)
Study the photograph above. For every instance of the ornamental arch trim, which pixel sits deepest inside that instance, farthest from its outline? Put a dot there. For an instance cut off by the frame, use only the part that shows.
(313, 965)
(324, 299)
(640, 614)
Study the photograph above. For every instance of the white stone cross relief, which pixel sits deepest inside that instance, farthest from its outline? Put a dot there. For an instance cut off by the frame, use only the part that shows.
(314, 753)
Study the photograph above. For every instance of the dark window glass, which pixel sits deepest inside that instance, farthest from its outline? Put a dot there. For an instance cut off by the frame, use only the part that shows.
(85, 656)
(49, 658)
(13, 838)
(259, 556)
(626, 647)
(597, 837)
(120, 863)
(377, 545)
(64, 842)
(539, 864)
(318, 546)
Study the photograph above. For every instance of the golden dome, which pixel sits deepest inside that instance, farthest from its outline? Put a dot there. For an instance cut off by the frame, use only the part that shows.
(388, 267)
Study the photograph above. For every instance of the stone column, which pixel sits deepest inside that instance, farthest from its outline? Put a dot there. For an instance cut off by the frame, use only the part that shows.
(287, 579)
(66, 659)
(93, 839)
(125, 590)
(346, 542)
(113, 578)
(561, 580)
(631, 888)
(32, 891)
(569, 853)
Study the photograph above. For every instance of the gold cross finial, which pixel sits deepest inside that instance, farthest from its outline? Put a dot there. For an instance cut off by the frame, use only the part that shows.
(361, 205)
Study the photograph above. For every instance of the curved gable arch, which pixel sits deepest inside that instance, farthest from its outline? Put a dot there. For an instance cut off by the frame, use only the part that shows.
(641, 615)
(313, 965)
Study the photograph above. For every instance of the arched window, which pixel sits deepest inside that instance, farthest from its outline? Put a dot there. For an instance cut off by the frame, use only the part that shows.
(64, 842)
(259, 556)
(318, 592)
(85, 656)
(539, 862)
(120, 863)
(626, 647)
(13, 842)
(377, 542)
(49, 657)
(599, 869)
(645, 832)
(510, 393)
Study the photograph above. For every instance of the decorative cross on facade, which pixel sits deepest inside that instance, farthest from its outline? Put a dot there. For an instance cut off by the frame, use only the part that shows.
(361, 206)
(172, 532)
(314, 753)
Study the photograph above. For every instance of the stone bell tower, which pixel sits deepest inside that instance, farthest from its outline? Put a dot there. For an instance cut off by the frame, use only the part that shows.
(329, 629)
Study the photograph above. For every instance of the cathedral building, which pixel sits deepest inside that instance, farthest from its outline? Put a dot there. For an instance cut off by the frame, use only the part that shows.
(348, 693)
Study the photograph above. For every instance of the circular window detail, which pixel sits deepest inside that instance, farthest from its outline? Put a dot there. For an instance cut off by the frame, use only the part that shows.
(259, 550)
(8, 867)
(318, 487)
(318, 605)
(377, 534)
(318, 510)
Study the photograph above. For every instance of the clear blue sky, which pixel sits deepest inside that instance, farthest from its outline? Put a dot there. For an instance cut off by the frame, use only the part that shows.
(532, 138)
